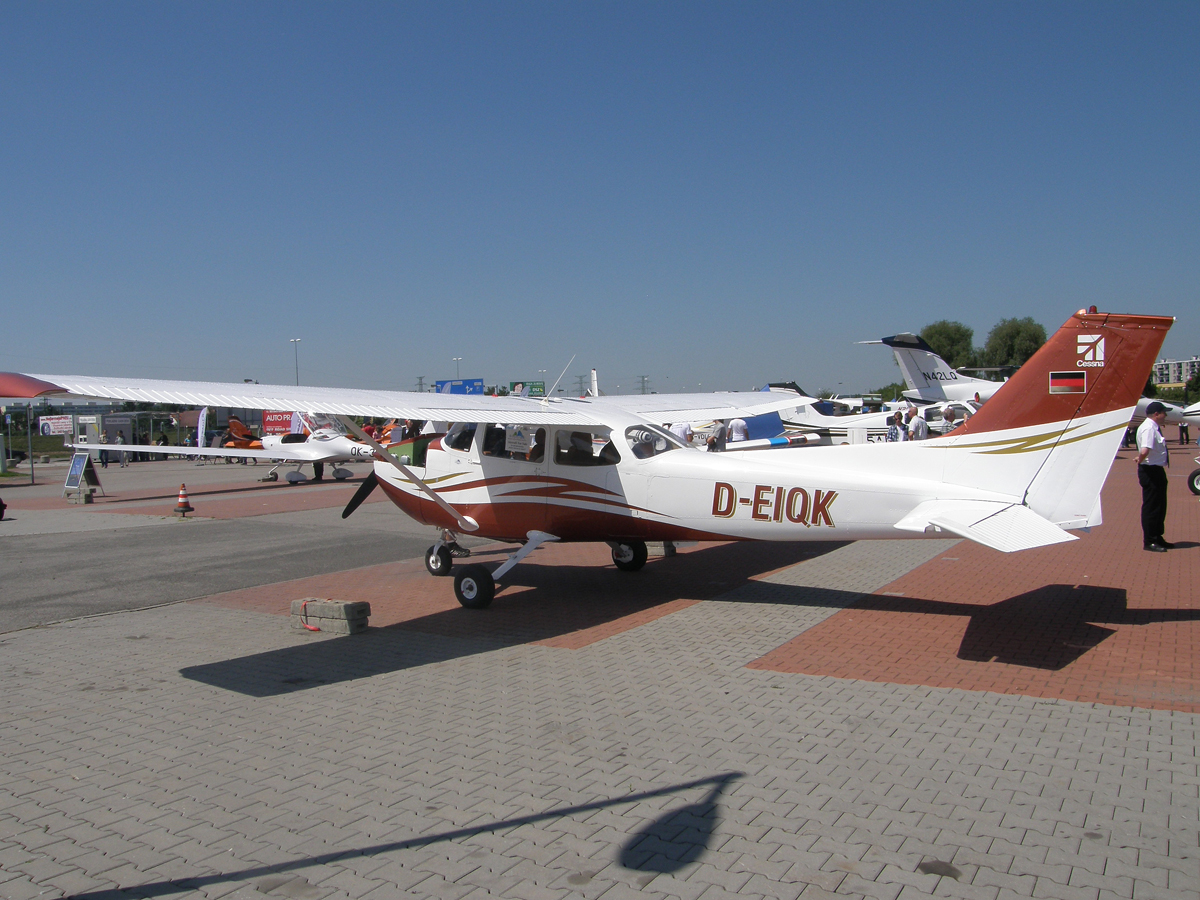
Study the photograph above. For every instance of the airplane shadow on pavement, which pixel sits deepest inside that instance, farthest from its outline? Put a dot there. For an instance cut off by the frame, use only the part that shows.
(666, 844)
(536, 603)
(1047, 628)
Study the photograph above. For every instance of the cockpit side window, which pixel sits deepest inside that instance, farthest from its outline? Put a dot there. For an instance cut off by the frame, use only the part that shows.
(650, 440)
(579, 448)
(459, 436)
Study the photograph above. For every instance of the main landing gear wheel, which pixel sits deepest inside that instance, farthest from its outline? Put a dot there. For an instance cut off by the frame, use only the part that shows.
(630, 556)
(1194, 482)
(474, 586)
(438, 561)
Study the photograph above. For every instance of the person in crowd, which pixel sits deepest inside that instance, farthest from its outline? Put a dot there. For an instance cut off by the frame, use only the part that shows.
(738, 431)
(683, 431)
(896, 433)
(951, 418)
(918, 428)
(716, 440)
(122, 455)
(1153, 460)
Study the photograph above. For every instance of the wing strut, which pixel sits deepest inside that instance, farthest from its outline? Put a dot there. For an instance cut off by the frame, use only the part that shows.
(466, 523)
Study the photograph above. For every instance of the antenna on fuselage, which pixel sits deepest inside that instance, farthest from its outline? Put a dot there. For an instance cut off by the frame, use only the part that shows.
(550, 393)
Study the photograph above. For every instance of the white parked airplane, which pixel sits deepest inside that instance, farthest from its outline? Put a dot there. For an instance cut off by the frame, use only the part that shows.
(930, 379)
(857, 428)
(1029, 465)
(323, 441)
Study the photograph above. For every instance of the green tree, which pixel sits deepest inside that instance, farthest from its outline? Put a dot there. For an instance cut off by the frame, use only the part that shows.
(1012, 342)
(892, 391)
(952, 341)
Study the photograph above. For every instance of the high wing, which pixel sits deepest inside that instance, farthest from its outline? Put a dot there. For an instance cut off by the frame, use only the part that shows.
(171, 450)
(697, 407)
(332, 401)
(294, 453)
(509, 410)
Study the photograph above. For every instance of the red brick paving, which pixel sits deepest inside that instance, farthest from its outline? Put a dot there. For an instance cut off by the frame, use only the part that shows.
(1098, 620)
(567, 595)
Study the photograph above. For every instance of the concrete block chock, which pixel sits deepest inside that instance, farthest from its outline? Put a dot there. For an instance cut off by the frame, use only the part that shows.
(330, 616)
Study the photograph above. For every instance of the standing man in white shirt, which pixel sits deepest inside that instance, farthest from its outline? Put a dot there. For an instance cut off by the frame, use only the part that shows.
(1152, 476)
(683, 431)
(918, 428)
(738, 431)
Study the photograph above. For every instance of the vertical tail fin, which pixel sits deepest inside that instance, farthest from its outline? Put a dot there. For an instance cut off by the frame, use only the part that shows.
(924, 371)
(1051, 431)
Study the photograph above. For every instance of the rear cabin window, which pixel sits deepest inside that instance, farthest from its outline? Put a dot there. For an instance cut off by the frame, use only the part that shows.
(585, 448)
(521, 443)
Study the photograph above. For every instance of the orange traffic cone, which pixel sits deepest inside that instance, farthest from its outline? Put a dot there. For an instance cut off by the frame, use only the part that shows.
(183, 507)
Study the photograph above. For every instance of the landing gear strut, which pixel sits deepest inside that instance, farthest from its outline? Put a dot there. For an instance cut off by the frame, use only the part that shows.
(475, 586)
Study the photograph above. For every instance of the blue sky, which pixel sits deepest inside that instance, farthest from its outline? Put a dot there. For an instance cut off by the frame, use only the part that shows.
(711, 194)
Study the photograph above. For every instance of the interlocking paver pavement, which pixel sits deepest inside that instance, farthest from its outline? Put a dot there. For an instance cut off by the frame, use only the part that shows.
(600, 747)
(1094, 620)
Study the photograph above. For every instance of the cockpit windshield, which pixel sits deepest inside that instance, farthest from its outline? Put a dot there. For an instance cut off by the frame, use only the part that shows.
(460, 436)
(650, 440)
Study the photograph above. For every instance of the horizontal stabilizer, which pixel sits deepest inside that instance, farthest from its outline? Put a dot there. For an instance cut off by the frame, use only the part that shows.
(1002, 526)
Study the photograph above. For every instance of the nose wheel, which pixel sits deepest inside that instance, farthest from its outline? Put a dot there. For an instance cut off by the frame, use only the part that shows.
(1194, 482)
(437, 560)
(474, 586)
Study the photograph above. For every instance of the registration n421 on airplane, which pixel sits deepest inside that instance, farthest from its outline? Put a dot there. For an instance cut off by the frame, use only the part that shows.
(1021, 472)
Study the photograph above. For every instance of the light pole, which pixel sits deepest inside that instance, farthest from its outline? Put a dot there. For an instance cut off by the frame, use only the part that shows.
(295, 342)
(457, 360)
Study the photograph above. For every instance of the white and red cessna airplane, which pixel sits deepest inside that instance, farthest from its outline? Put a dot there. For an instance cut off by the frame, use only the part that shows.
(1024, 469)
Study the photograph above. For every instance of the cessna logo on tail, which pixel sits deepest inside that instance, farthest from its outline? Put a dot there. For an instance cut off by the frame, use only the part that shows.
(774, 504)
(1090, 348)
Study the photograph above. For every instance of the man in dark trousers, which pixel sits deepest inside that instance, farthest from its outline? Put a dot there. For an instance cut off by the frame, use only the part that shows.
(1152, 476)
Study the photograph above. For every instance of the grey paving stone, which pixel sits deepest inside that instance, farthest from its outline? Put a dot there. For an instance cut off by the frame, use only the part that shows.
(830, 786)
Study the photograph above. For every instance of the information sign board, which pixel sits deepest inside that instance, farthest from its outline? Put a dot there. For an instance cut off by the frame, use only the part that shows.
(460, 386)
(55, 424)
(536, 388)
(81, 475)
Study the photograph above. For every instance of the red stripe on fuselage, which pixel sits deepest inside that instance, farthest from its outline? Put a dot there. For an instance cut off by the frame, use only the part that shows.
(512, 521)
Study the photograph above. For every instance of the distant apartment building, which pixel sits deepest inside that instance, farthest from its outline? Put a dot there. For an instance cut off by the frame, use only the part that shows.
(1176, 371)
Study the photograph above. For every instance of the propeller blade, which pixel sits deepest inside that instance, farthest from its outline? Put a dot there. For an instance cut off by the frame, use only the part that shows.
(363, 492)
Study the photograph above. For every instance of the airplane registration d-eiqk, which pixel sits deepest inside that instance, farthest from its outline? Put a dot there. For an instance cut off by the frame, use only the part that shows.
(1021, 472)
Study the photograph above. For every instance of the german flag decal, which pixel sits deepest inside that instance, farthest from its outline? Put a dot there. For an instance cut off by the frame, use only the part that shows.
(1068, 382)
